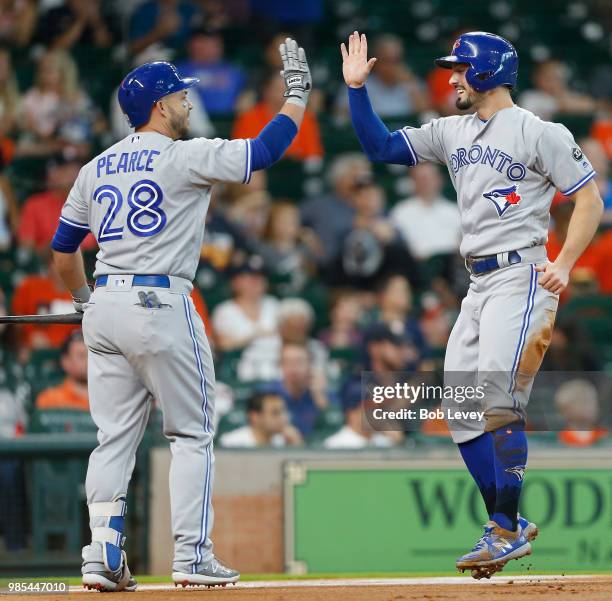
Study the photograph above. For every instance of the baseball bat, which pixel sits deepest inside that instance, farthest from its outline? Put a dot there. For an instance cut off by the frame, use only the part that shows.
(67, 318)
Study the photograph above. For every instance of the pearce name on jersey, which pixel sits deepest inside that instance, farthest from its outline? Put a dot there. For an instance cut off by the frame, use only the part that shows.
(128, 162)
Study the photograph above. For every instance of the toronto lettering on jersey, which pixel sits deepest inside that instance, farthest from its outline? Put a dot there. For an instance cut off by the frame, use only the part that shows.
(128, 162)
(494, 157)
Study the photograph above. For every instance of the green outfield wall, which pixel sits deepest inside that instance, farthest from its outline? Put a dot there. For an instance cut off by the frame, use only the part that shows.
(386, 518)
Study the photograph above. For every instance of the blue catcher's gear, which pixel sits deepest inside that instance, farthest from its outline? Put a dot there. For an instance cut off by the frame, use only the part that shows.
(492, 60)
(145, 85)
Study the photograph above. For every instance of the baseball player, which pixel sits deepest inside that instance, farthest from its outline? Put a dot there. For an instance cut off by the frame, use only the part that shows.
(505, 164)
(145, 200)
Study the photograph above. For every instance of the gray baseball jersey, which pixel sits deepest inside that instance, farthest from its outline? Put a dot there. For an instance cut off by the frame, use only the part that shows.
(505, 171)
(145, 200)
(146, 197)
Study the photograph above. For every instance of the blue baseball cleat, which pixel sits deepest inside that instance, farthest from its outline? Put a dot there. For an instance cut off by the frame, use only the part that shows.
(495, 548)
(530, 530)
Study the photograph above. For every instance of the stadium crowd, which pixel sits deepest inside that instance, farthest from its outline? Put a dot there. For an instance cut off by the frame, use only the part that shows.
(322, 268)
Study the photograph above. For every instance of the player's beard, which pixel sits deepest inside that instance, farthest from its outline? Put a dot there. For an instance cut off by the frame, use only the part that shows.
(469, 99)
(179, 124)
(466, 103)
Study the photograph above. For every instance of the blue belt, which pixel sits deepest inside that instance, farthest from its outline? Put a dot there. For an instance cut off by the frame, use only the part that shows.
(482, 265)
(155, 281)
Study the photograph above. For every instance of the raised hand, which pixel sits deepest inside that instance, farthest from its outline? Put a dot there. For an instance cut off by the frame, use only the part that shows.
(355, 64)
(296, 73)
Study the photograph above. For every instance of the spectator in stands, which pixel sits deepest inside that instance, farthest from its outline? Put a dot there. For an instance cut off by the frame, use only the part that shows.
(12, 415)
(72, 392)
(17, 22)
(40, 212)
(224, 236)
(578, 402)
(250, 316)
(268, 425)
(331, 216)
(387, 348)
(8, 344)
(594, 263)
(395, 310)
(74, 23)
(249, 213)
(9, 212)
(356, 432)
(57, 114)
(345, 315)
(12, 482)
(428, 222)
(570, 348)
(13, 388)
(442, 94)
(601, 89)
(602, 130)
(393, 89)
(164, 22)
(306, 145)
(41, 294)
(303, 388)
(552, 95)
(288, 249)
(596, 154)
(295, 323)
(296, 13)
(373, 247)
(221, 14)
(440, 310)
(296, 320)
(13, 421)
(221, 82)
(9, 95)
(386, 353)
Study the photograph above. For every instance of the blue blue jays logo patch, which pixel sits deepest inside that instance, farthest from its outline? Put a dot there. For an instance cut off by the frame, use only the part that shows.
(503, 198)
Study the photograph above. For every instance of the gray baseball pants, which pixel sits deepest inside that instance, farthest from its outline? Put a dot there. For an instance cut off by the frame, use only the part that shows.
(499, 340)
(137, 354)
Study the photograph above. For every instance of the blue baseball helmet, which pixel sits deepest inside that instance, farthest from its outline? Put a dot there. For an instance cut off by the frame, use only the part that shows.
(492, 60)
(145, 85)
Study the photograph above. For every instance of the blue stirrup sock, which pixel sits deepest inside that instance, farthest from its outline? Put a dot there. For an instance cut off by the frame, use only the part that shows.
(478, 455)
(107, 522)
(497, 461)
(510, 449)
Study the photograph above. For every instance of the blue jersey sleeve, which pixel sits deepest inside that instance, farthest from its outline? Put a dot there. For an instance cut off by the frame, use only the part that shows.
(378, 143)
(69, 236)
(272, 141)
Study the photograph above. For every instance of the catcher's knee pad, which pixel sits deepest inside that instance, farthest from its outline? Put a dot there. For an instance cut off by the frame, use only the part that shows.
(110, 535)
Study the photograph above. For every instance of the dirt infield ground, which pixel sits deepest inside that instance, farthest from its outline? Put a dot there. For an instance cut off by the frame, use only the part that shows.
(540, 588)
